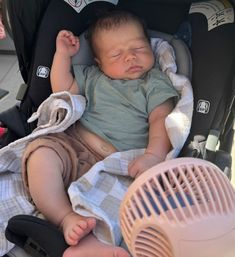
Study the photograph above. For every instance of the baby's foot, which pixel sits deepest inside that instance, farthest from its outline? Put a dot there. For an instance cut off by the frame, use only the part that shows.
(75, 227)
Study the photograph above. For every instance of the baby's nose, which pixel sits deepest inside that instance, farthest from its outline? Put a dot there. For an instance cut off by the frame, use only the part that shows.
(130, 56)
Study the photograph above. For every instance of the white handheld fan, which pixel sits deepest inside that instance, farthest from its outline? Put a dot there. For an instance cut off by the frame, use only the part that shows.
(180, 208)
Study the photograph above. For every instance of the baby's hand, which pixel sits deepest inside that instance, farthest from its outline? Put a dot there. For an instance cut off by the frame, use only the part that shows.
(67, 43)
(142, 163)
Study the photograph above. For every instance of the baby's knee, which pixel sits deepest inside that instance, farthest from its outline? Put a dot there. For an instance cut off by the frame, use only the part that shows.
(40, 152)
(39, 159)
(51, 153)
(42, 155)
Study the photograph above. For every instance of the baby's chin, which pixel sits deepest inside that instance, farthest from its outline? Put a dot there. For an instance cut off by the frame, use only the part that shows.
(133, 76)
(136, 76)
(127, 76)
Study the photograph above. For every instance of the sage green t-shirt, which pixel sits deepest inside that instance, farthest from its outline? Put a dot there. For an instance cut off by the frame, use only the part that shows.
(118, 110)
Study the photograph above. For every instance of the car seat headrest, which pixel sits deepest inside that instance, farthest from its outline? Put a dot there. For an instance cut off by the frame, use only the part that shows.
(183, 57)
(182, 53)
(84, 56)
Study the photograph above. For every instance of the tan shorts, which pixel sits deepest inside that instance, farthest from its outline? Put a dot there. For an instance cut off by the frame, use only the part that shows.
(77, 158)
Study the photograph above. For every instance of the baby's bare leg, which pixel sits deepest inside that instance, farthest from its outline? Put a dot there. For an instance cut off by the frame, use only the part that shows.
(46, 186)
(90, 246)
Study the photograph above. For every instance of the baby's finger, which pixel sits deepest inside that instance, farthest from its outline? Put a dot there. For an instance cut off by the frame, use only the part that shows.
(69, 33)
(76, 41)
(64, 33)
(132, 170)
(130, 165)
(72, 39)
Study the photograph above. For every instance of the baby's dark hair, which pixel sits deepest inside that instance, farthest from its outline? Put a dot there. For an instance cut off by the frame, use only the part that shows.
(113, 19)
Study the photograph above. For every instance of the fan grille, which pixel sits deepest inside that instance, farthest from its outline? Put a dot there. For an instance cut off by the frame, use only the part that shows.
(150, 242)
(176, 193)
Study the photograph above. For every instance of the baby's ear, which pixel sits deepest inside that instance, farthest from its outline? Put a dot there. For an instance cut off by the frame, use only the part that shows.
(97, 60)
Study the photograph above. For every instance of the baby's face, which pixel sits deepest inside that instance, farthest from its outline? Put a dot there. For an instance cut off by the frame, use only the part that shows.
(124, 52)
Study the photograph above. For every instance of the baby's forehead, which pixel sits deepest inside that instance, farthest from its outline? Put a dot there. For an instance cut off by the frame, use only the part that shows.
(106, 37)
(132, 30)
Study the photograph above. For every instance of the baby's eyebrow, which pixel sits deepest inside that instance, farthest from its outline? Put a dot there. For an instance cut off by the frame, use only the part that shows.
(142, 41)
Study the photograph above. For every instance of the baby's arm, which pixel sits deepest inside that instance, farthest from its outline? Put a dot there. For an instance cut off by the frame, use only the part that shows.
(159, 144)
(61, 77)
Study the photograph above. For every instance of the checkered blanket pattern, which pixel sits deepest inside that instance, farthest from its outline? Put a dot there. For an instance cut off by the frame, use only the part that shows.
(100, 191)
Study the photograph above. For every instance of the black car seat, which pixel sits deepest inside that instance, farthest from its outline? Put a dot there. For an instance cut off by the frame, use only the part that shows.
(213, 57)
(213, 80)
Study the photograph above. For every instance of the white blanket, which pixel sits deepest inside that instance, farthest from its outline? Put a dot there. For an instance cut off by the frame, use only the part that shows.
(90, 195)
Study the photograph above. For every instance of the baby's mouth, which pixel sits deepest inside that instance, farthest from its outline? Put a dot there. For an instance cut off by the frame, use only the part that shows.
(134, 68)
